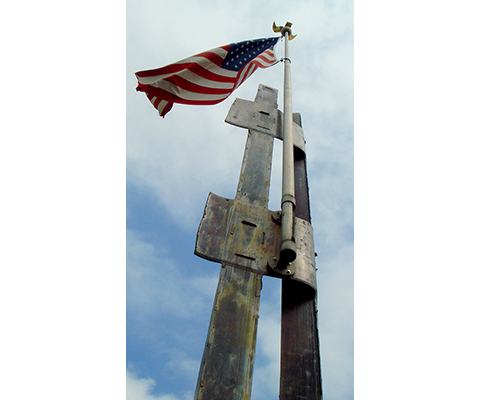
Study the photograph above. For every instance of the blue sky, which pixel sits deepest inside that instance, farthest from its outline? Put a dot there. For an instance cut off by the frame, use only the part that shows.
(173, 163)
(82, 151)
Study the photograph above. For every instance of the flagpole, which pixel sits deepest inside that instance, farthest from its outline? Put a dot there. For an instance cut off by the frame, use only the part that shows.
(288, 249)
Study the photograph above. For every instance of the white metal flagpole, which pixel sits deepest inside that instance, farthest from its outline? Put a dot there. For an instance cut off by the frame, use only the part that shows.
(288, 250)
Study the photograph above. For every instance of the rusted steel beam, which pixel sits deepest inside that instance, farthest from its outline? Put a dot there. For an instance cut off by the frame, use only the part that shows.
(300, 376)
(227, 365)
(242, 234)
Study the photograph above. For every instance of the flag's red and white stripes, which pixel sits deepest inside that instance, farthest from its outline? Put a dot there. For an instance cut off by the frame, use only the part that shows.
(198, 80)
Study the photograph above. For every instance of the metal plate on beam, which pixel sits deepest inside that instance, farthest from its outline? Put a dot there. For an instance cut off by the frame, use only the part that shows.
(259, 116)
(245, 236)
(262, 117)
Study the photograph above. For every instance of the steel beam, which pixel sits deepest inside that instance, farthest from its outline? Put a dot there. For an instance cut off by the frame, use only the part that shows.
(300, 376)
(227, 365)
(242, 234)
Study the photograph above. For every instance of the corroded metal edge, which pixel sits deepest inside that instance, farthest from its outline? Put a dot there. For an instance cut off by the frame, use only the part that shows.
(305, 264)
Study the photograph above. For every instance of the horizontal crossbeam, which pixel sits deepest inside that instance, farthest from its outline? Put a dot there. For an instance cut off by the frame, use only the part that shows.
(247, 236)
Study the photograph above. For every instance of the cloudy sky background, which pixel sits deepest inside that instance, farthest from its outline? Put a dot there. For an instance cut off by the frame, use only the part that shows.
(426, 193)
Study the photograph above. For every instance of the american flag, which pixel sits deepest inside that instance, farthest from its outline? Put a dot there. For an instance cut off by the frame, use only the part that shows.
(206, 78)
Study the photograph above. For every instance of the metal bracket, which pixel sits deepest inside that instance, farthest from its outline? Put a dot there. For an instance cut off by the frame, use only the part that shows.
(274, 265)
(246, 236)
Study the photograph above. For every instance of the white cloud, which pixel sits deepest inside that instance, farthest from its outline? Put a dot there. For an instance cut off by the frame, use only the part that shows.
(140, 389)
(156, 286)
(180, 162)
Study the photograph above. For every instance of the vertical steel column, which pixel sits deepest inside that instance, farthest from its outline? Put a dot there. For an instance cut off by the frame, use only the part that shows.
(226, 368)
(300, 376)
(227, 365)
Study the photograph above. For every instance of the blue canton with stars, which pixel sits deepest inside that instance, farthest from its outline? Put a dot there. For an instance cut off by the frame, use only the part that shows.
(240, 54)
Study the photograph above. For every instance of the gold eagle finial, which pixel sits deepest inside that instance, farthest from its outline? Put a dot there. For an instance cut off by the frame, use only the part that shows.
(283, 29)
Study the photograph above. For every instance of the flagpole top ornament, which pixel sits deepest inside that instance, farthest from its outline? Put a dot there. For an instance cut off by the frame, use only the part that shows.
(283, 29)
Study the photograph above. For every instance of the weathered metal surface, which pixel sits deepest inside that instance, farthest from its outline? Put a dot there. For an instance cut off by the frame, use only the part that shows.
(226, 369)
(227, 365)
(255, 176)
(258, 116)
(238, 233)
(305, 264)
(300, 376)
(244, 235)
(262, 118)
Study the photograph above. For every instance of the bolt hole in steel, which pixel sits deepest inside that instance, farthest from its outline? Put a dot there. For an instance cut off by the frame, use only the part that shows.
(248, 223)
(246, 257)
